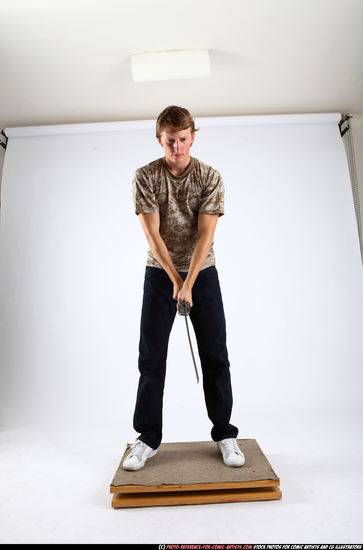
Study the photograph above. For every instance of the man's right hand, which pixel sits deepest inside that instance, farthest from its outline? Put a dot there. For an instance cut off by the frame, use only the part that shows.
(177, 287)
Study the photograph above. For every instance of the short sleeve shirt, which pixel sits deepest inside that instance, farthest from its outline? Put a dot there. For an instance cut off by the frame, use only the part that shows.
(179, 200)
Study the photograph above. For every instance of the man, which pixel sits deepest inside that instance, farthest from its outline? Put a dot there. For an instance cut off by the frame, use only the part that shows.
(178, 200)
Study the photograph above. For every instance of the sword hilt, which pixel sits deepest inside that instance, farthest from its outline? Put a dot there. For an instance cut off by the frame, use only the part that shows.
(183, 308)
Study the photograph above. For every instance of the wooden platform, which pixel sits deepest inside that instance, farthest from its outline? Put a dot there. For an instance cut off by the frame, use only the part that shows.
(194, 473)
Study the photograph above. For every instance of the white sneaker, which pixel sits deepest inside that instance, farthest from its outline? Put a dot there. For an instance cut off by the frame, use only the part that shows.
(140, 452)
(232, 454)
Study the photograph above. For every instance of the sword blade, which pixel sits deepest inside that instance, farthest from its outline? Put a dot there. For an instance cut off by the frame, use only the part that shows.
(191, 349)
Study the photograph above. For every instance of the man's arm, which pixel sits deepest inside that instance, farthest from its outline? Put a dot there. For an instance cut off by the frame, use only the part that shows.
(151, 225)
(206, 227)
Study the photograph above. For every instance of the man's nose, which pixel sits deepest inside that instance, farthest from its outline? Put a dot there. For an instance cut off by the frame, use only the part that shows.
(176, 145)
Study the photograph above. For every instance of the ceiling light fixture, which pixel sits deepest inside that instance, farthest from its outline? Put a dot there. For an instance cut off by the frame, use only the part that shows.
(170, 65)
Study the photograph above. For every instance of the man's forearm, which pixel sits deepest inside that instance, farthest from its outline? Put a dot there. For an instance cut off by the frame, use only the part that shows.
(161, 253)
(199, 255)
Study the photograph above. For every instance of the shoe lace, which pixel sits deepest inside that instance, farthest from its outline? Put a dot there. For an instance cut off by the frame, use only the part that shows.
(232, 446)
(138, 448)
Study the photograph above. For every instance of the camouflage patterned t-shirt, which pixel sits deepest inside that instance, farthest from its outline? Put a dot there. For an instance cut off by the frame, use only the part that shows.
(178, 199)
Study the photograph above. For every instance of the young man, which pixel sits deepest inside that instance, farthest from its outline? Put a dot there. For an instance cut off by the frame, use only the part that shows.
(178, 200)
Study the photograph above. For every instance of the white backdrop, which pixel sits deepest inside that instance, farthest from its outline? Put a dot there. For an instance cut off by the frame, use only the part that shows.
(73, 259)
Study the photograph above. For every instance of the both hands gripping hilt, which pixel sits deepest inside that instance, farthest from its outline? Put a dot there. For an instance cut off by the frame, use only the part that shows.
(183, 308)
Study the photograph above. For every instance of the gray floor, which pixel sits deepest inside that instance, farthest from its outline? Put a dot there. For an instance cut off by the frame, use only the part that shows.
(54, 487)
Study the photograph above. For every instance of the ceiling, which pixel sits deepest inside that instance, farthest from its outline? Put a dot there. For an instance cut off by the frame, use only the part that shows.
(68, 61)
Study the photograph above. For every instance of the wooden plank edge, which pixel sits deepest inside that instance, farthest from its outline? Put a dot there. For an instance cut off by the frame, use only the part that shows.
(194, 486)
(195, 497)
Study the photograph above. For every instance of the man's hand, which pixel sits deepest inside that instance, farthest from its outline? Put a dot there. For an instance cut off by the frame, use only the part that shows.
(178, 285)
(184, 295)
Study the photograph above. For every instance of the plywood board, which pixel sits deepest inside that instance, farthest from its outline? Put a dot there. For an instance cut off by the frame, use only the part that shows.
(194, 473)
(127, 500)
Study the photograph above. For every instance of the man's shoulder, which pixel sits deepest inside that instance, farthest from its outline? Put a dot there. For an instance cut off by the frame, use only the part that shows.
(205, 170)
(150, 167)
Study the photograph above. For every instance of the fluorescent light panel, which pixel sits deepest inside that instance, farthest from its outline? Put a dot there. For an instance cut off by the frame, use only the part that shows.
(170, 65)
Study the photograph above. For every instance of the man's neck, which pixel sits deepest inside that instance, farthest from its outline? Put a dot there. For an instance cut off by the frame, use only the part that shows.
(178, 169)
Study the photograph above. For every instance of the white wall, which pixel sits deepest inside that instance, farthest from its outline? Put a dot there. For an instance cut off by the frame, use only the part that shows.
(356, 135)
(73, 258)
(2, 155)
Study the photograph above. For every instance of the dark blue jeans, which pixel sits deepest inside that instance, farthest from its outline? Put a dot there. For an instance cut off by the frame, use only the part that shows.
(157, 318)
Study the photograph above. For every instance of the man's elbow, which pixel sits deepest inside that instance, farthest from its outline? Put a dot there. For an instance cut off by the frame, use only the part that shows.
(152, 237)
(151, 225)
(206, 236)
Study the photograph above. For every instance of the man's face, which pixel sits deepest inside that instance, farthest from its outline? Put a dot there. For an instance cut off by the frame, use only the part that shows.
(176, 145)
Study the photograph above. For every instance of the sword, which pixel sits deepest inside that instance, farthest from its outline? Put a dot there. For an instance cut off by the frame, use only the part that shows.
(184, 309)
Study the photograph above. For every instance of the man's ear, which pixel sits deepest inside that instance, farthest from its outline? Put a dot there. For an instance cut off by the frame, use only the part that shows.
(159, 140)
